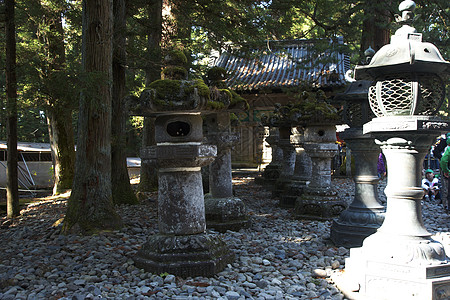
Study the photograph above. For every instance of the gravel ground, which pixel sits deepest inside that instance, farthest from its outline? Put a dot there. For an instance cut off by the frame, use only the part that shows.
(278, 257)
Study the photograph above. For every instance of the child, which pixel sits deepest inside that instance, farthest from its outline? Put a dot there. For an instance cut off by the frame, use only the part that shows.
(430, 185)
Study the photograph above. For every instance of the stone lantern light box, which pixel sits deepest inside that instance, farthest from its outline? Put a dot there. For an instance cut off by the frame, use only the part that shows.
(182, 247)
(401, 260)
(407, 73)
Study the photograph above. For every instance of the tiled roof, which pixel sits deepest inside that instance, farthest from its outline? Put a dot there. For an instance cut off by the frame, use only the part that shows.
(287, 64)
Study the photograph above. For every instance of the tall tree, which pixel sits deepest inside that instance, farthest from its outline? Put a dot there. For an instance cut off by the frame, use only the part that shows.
(59, 108)
(90, 207)
(121, 188)
(148, 174)
(12, 188)
(375, 26)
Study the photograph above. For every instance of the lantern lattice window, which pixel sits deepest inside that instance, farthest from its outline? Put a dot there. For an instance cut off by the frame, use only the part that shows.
(407, 94)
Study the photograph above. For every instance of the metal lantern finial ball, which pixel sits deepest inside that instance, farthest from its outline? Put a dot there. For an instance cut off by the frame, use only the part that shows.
(406, 74)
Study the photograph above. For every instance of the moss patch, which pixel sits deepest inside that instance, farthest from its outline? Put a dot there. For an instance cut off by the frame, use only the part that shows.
(174, 72)
(216, 74)
(202, 88)
(175, 58)
(237, 101)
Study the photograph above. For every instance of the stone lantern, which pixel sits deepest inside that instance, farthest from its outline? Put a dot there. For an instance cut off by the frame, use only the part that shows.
(272, 171)
(365, 214)
(182, 247)
(319, 199)
(284, 118)
(223, 210)
(401, 260)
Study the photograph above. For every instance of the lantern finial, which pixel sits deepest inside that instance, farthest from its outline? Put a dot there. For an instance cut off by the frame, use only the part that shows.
(406, 19)
(369, 53)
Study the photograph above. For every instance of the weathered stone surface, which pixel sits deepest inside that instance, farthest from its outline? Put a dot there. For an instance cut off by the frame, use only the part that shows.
(365, 214)
(223, 211)
(186, 255)
(224, 214)
(319, 199)
(401, 260)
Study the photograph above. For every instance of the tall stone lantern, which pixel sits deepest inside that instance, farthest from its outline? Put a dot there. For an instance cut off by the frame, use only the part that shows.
(182, 247)
(365, 214)
(223, 210)
(284, 117)
(401, 260)
(319, 199)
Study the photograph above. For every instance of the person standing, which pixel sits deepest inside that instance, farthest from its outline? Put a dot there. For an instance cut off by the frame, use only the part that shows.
(443, 164)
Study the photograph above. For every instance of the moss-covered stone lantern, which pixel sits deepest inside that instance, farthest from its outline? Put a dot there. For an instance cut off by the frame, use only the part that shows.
(402, 260)
(223, 210)
(284, 117)
(319, 199)
(182, 247)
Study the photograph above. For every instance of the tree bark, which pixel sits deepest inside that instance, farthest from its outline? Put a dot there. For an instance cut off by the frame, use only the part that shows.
(148, 176)
(59, 114)
(62, 145)
(12, 186)
(90, 207)
(375, 32)
(121, 188)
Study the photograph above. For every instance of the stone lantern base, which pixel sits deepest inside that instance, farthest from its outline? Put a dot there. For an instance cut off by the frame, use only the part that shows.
(354, 225)
(396, 272)
(224, 214)
(184, 256)
(269, 176)
(292, 190)
(318, 204)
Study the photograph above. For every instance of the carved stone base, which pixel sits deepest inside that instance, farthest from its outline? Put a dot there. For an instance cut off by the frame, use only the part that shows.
(293, 189)
(280, 187)
(224, 214)
(184, 256)
(408, 269)
(270, 175)
(318, 204)
(354, 225)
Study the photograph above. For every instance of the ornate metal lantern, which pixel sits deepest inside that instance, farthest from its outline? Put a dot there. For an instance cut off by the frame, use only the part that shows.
(407, 73)
(356, 106)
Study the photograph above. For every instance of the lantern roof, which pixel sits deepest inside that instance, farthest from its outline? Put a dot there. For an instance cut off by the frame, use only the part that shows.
(406, 52)
(357, 90)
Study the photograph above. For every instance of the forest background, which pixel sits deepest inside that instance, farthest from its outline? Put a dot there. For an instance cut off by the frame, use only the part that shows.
(206, 24)
(60, 88)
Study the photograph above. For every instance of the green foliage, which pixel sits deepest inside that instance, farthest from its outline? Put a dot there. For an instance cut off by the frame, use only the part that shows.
(238, 102)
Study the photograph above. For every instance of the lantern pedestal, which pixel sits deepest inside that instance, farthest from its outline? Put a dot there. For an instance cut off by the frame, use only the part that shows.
(272, 171)
(401, 261)
(182, 247)
(319, 200)
(299, 181)
(223, 211)
(365, 214)
(287, 163)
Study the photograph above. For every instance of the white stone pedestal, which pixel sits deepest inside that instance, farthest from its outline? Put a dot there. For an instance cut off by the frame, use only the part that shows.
(401, 260)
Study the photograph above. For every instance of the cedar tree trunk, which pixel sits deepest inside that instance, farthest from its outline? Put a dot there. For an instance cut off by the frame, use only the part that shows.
(59, 114)
(12, 186)
(149, 177)
(90, 207)
(121, 188)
